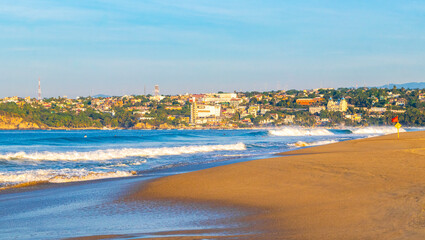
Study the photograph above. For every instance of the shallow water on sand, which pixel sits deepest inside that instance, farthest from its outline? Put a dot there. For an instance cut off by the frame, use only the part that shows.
(97, 208)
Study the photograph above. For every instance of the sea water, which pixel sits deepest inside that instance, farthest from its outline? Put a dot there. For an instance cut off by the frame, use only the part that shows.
(32, 157)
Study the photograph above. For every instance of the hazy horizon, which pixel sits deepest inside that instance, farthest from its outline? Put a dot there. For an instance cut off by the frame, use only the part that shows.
(82, 48)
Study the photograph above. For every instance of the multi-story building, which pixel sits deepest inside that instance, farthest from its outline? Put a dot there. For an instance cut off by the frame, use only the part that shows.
(308, 101)
(317, 109)
(193, 111)
(253, 110)
(378, 109)
(340, 106)
(206, 111)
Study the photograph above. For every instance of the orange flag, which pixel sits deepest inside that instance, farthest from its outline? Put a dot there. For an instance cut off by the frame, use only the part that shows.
(395, 119)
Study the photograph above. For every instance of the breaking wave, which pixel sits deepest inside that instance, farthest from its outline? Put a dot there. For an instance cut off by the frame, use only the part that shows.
(32, 177)
(108, 154)
(376, 130)
(299, 131)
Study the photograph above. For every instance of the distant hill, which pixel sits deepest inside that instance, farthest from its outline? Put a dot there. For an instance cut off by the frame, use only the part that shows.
(411, 85)
(101, 96)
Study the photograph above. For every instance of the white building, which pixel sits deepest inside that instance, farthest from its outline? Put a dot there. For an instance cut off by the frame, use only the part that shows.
(378, 109)
(205, 111)
(200, 113)
(157, 98)
(340, 106)
(314, 110)
(227, 95)
(220, 98)
(289, 119)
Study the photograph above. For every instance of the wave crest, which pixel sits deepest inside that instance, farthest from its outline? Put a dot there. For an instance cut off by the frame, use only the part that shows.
(298, 131)
(376, 130)
(56, 176)
(108, 154)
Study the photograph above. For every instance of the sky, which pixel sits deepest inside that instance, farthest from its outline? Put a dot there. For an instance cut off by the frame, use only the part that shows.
(84, 47)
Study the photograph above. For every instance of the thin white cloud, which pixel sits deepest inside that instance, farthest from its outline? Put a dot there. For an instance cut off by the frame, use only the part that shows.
(213, 11)
(20, 49)
(41, 10)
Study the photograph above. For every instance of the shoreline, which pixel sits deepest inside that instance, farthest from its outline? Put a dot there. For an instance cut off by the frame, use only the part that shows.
(106, 129)
(204, 128)
(367, 188)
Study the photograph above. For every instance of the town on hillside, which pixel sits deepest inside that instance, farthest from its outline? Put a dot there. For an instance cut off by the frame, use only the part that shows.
(318, 107)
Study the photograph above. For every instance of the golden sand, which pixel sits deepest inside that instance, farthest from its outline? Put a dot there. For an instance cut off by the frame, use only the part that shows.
(361, 189)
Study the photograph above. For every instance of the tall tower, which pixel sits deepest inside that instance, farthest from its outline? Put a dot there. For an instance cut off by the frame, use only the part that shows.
(193, 111)
(39, 90)
(156, 90)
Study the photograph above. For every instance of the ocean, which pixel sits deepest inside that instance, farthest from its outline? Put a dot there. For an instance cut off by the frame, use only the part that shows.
(37, 157)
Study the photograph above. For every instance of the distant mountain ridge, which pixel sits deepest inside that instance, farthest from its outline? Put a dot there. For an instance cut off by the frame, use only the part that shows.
(101, 96)
(411, 85)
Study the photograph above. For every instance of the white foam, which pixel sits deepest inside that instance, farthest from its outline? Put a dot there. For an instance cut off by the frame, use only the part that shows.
(376, 130)
(102, 155)
(316, 143)
(57, 176)
(299, 131)
(138, 162)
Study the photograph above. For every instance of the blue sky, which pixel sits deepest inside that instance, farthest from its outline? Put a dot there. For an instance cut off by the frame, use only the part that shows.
(83, 47)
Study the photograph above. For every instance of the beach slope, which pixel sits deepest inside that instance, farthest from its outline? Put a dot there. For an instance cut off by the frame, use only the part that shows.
(361, 189)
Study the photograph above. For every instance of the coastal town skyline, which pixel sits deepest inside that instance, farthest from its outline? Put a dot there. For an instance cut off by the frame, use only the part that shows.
(318, 107)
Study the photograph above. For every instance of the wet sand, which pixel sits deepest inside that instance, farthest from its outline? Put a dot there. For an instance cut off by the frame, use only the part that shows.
(361, 189)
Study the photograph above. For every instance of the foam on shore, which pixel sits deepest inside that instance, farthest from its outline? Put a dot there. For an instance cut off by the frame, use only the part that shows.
(310, 144)
(33, 177)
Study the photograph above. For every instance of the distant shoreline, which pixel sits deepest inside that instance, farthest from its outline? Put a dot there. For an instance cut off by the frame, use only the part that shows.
(106, 129)
(202, 128)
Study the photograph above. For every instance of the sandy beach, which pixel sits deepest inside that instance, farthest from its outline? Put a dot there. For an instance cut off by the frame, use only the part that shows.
(371, 188)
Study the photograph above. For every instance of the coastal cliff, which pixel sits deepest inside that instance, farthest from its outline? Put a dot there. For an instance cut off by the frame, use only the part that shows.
(11, 122)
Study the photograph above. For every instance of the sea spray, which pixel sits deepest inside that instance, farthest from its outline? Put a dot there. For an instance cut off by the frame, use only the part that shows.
(299, 131)
(383, 130)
